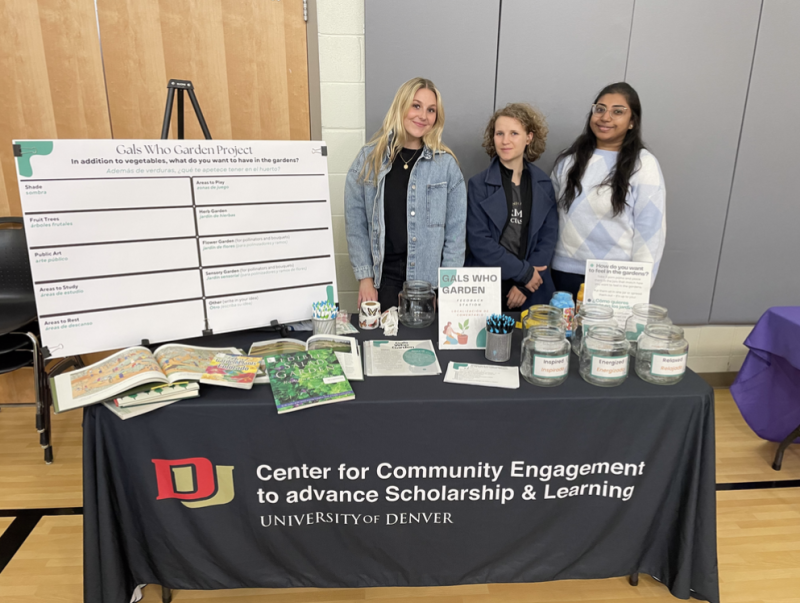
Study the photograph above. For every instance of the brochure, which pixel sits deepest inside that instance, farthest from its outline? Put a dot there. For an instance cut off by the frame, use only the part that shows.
(232, 370)
(346, 349)
(304, 379)
(488, 375)
(618, 285)
(129, 368)
(466, 297)
(400, 358)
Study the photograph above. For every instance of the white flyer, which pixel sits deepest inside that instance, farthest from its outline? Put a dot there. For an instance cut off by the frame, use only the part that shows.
(488, 375)
(618, 285)
(168, 239)
(467, 296)
(400, 358)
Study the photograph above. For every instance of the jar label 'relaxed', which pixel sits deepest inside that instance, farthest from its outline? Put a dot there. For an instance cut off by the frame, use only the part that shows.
(610, 367)
(667, 365)
(550, 366)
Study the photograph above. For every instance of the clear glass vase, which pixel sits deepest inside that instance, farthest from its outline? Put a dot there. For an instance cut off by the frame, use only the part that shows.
(590, 315)
(545, 356)
(604, 356)
(643, 315)
(661, 354)
(416, 308)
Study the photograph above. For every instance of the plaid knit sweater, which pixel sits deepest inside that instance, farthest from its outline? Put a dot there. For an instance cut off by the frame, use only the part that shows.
(589, 230)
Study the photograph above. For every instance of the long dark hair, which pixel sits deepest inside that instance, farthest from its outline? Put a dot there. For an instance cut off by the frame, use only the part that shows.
(585, 144)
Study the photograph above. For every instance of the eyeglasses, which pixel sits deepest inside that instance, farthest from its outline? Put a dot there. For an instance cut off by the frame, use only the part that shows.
(616, 110)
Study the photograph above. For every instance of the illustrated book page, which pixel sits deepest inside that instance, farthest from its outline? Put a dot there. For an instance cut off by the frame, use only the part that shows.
(105, 379)
(181, 362)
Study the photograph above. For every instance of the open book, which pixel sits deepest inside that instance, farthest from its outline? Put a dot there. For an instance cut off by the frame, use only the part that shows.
(346, 349)
(131, 367)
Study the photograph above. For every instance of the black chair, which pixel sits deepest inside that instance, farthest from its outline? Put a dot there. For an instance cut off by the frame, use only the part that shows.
(19, 327)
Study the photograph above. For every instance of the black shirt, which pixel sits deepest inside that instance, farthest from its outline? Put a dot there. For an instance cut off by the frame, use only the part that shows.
(395, 210)
(515, 236)
(512, 234)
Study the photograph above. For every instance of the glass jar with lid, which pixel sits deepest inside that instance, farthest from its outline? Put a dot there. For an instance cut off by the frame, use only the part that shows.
(543, 315)
(590, 315)
(545, 356)
(643, 315)
(661, 354)
(416, 304)
(604, 356)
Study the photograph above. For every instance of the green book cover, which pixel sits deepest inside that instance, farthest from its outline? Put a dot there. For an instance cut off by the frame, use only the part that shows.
(305, 379)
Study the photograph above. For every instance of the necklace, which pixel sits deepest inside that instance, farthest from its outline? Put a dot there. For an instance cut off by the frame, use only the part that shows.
(405, 163)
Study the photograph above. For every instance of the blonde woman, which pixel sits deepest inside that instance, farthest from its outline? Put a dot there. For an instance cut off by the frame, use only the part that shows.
(405, 199)
(512, 221)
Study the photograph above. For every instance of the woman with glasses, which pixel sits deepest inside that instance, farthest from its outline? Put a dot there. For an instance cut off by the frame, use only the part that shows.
(512, 220)
(405, 201)
(610, 192)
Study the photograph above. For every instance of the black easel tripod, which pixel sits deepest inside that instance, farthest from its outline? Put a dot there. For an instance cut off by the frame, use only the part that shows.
(182, 86)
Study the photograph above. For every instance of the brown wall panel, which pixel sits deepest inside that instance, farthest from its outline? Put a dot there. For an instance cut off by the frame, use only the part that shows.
(52, 79)
(246, 58)
(194, 49)
(75, 68)
(133, 57)
(25, 95)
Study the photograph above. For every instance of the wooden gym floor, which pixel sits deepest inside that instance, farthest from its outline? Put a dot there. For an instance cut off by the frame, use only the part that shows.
(758, 521)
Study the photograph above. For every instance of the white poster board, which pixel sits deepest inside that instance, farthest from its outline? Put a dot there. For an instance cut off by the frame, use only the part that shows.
(618, 285)
(467, 296)
(168, 239)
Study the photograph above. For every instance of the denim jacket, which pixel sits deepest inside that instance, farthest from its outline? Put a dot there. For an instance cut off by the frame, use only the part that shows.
(437, 217)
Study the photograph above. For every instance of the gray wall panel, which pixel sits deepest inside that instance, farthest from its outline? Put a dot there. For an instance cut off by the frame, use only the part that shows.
(558, 56)
(453, 43)
(690, 62)
(758, 266)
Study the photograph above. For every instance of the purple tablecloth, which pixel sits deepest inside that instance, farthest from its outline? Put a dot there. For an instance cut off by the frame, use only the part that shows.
(767, 389)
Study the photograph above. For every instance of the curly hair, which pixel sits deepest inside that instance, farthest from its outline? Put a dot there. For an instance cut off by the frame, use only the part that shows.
(531, 119)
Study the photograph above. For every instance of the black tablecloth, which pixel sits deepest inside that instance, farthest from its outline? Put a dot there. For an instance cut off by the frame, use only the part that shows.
(593, 482)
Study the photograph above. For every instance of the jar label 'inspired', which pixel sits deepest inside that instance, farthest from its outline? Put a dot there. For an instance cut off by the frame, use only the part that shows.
(550, 366)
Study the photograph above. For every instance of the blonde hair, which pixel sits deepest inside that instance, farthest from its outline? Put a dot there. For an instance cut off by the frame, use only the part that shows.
(531, 119)
(393, 125)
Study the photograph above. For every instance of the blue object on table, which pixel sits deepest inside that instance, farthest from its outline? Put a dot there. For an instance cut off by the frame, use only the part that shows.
(563, 301)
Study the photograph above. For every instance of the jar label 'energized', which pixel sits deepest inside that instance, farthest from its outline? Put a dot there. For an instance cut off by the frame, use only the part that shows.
(550, 366)
(666, 365)
(610, 367)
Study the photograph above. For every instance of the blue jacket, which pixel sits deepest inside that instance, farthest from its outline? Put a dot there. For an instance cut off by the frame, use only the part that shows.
(487, 212)
(436, 206)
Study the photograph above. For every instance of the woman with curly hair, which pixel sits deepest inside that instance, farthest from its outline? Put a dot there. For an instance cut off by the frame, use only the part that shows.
(512, 220)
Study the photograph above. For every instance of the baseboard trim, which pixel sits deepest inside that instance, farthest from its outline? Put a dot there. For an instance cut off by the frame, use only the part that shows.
(719, 379)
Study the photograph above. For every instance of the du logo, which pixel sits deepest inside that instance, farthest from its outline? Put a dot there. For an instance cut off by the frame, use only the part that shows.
(194, 482)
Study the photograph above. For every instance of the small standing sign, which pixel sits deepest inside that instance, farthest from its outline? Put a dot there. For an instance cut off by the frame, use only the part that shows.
(618, 285)
(466, 297)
